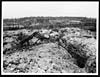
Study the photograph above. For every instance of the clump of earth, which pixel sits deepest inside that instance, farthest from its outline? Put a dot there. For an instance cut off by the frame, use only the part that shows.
(73, 52)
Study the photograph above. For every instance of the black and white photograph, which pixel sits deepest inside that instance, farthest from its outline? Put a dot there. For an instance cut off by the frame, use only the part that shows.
(49, 38)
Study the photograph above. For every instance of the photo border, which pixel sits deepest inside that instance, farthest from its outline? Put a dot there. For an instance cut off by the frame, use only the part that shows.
(97, 53)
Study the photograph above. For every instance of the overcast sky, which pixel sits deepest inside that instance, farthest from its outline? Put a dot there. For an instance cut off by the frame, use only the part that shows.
(27, 9)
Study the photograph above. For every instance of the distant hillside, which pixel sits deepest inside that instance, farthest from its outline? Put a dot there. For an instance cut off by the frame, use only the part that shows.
(50, 22)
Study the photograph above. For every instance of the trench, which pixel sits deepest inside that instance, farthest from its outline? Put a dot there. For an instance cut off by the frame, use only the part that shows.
(80, 59)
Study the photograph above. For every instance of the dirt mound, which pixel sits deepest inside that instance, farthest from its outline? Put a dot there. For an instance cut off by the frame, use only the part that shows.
(65, 51)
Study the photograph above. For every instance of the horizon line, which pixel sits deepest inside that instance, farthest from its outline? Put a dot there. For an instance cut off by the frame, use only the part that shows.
(47, 16)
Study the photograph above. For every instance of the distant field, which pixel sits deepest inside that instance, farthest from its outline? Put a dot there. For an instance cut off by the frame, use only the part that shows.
(49, 22)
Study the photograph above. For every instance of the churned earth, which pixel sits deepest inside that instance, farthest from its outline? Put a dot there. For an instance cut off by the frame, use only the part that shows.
(51, 56)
